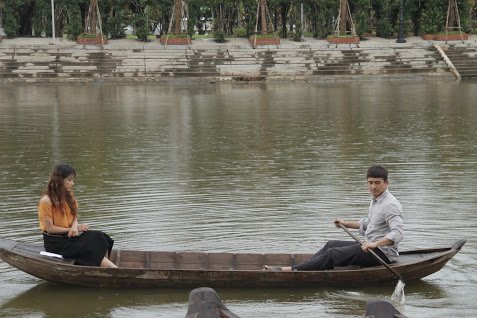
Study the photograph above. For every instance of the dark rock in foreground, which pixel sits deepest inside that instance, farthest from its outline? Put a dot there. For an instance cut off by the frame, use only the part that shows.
(205, 303)
(379, 308)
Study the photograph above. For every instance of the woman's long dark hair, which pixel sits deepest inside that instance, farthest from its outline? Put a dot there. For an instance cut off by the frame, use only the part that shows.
(55, 189)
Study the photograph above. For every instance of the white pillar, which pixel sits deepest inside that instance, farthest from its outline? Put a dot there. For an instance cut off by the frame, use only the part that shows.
(302, 23)
(53, 19)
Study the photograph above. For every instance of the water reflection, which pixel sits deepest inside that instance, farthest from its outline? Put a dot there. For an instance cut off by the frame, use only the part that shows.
(39, 300)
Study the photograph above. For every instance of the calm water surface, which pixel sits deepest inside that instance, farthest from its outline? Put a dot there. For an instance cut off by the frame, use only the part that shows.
(242, 168)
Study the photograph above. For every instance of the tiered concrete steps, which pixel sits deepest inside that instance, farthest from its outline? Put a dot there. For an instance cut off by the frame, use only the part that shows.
(374, 61)
(464, 58)
(119, 65)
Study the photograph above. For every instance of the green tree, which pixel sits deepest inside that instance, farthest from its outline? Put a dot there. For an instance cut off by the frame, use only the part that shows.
(433, 17)
(160, 14)
(465, 13)
(74, 27)
(17, 16)
(114, 17)
(284, 6)
(382, 10)
(10, 19)
(360, 17)
(327, 13)
(247, 15)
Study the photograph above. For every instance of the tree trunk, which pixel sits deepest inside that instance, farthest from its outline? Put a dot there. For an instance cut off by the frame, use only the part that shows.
(263, 12)
(25, 20)
(314, 18)
(284, 10)
(93, 16)
(451, 16)
(343, 17)
(221, 17)
(275, 26)
(84, 13)
(292, 20)
(177, 17)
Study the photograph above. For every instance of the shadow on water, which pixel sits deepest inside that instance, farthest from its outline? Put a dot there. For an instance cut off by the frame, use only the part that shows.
(50, 300)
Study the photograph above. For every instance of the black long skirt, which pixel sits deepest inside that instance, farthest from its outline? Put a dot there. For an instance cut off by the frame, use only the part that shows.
(87, 249)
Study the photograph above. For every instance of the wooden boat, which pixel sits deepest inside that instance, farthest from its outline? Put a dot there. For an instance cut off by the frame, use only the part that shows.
(191, 270)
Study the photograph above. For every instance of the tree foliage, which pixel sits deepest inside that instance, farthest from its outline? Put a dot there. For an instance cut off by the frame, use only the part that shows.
(433, 17)
(33, 17)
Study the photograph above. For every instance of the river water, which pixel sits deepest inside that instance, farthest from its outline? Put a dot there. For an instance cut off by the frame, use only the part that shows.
(242, 168)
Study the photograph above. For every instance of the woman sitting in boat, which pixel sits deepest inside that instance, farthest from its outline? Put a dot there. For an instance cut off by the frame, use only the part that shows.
(58, 212)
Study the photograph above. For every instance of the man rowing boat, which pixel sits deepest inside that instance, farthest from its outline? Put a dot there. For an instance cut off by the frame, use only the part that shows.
(383, 229)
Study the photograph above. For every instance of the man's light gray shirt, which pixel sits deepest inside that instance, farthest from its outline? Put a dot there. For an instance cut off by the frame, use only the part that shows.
(385, 220)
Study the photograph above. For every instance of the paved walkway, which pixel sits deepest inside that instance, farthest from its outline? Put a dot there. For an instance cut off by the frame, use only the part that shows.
(234, 43)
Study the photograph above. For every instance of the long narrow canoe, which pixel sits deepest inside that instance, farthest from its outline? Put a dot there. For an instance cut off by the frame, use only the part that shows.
(186, 269)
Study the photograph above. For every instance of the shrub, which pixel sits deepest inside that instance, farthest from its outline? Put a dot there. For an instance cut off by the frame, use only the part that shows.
(219, 36)
(115, 26)
(384, 28)
(142, 31)
(250, 27)
(190, 27)
(240, 32)
(298, 32)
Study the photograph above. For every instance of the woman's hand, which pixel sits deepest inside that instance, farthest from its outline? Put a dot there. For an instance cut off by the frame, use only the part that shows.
(73, 231)
(83, 227)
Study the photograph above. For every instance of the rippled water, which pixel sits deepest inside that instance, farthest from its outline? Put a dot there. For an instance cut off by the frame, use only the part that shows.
(242, 168)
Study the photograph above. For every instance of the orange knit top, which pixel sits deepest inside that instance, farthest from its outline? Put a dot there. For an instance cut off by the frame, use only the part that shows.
(58, 217)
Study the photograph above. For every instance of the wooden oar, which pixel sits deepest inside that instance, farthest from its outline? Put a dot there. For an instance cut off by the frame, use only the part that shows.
(373, 253)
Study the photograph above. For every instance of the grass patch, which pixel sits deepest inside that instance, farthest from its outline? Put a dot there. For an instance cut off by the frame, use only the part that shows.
(202, 36)
(453, 32)
(268, 36)
(178, 36)
(134, 37)
(90, 36)
(341, 36)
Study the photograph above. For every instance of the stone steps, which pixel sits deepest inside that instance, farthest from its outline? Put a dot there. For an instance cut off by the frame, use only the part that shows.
(464, 58)
(72, 64)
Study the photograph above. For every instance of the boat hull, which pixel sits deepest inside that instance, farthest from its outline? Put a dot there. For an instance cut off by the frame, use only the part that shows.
(63, 272)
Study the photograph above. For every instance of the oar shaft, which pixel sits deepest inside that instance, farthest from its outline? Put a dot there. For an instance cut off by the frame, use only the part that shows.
(372, 252)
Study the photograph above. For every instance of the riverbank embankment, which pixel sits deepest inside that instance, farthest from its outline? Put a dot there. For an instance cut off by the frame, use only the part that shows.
(39, 60)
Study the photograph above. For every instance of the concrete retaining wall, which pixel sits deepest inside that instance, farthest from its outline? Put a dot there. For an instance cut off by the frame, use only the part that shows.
(62, 65)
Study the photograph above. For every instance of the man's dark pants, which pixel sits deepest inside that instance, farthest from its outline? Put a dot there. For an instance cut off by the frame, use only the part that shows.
(340, 253)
